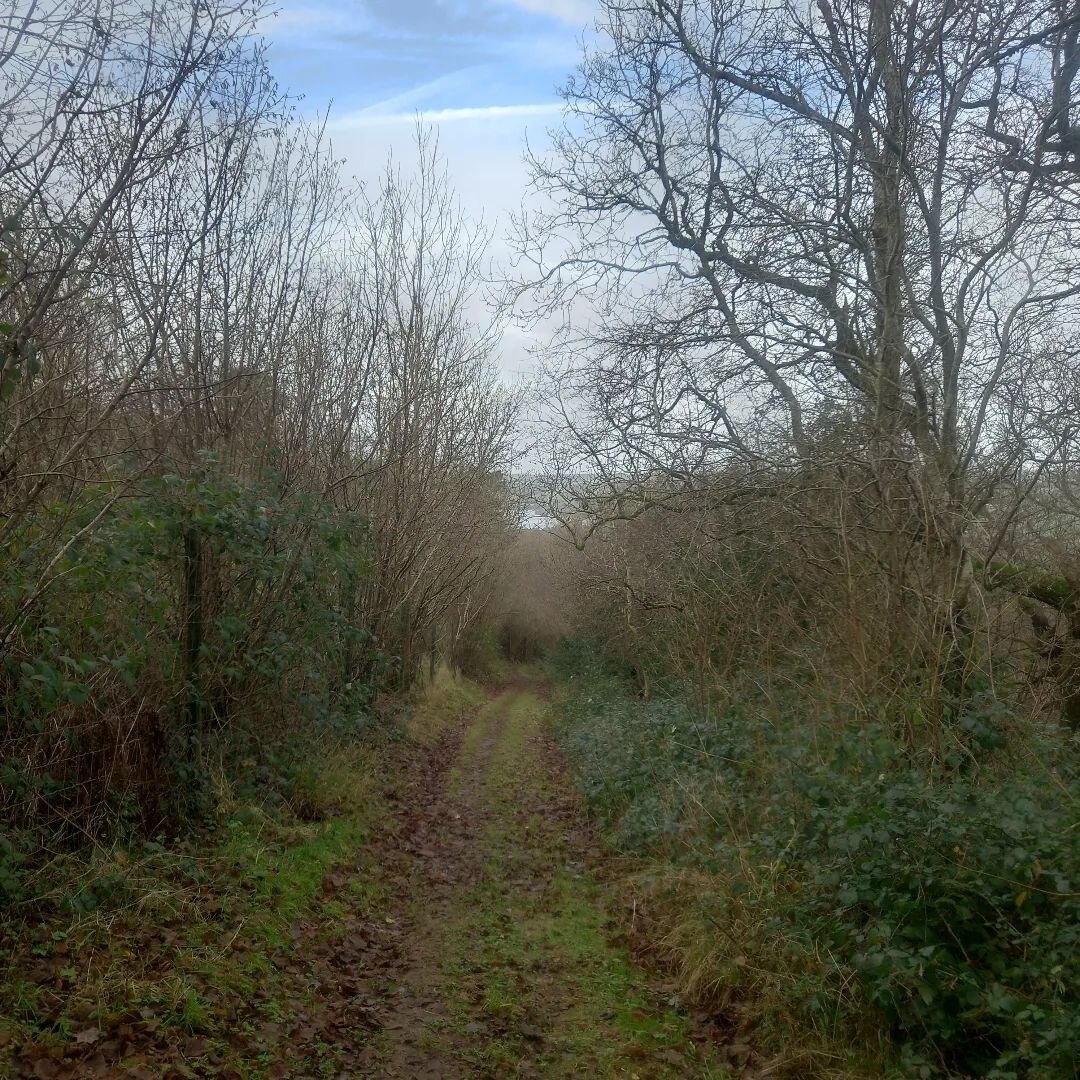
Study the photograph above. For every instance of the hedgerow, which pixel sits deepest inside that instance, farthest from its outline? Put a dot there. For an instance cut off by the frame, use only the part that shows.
(125, 688)
(950, 899)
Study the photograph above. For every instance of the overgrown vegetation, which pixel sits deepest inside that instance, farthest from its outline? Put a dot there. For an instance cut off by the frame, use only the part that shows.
(251, 443)
(833, 878)
(817, 447)
(251, 482)
(264, 649)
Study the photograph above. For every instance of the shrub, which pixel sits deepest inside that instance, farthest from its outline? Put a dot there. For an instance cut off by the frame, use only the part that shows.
(949, 898)
(206, 616)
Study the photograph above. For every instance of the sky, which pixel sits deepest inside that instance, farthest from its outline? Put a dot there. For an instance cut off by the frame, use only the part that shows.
(484, 72)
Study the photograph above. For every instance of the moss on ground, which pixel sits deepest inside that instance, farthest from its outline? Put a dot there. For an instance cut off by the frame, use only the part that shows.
(531, 972)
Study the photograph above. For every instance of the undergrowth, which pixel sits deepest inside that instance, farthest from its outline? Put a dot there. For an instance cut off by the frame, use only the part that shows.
(201, 632)
(169, 951)
(809, 870)
(167, 945)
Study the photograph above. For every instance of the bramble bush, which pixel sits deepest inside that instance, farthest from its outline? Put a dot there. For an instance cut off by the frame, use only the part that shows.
(203, 619)
(950, 898)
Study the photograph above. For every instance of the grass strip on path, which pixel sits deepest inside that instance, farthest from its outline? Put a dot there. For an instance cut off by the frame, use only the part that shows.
(529, 967)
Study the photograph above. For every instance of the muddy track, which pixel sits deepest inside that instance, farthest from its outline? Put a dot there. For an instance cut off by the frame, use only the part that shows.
(496, 958)
(471, 934)
(437, 853)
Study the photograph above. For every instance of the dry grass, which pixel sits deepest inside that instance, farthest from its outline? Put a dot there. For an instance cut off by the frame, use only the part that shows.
(723, 948)
(336, 783)
(439, 701)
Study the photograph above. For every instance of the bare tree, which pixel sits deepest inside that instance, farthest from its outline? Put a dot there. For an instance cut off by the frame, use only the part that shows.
(243, 397)
(438, 433)
(806, 211)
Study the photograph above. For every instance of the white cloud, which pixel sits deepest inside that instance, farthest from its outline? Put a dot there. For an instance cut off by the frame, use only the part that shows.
(575, 12)
(366, 118)
(397, 105)
(302, 19)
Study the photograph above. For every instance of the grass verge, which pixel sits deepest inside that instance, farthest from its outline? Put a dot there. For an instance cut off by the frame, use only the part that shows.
(194, 957)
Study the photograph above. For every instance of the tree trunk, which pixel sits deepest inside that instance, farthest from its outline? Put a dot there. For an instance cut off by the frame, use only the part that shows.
(193, 630)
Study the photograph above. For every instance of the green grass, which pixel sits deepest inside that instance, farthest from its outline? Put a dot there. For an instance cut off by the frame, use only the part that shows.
(527, 950)
(189, 936)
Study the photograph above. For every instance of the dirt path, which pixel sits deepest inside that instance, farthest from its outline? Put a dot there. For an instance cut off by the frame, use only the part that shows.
(496, 960)
(455, 928)
(459, 931)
